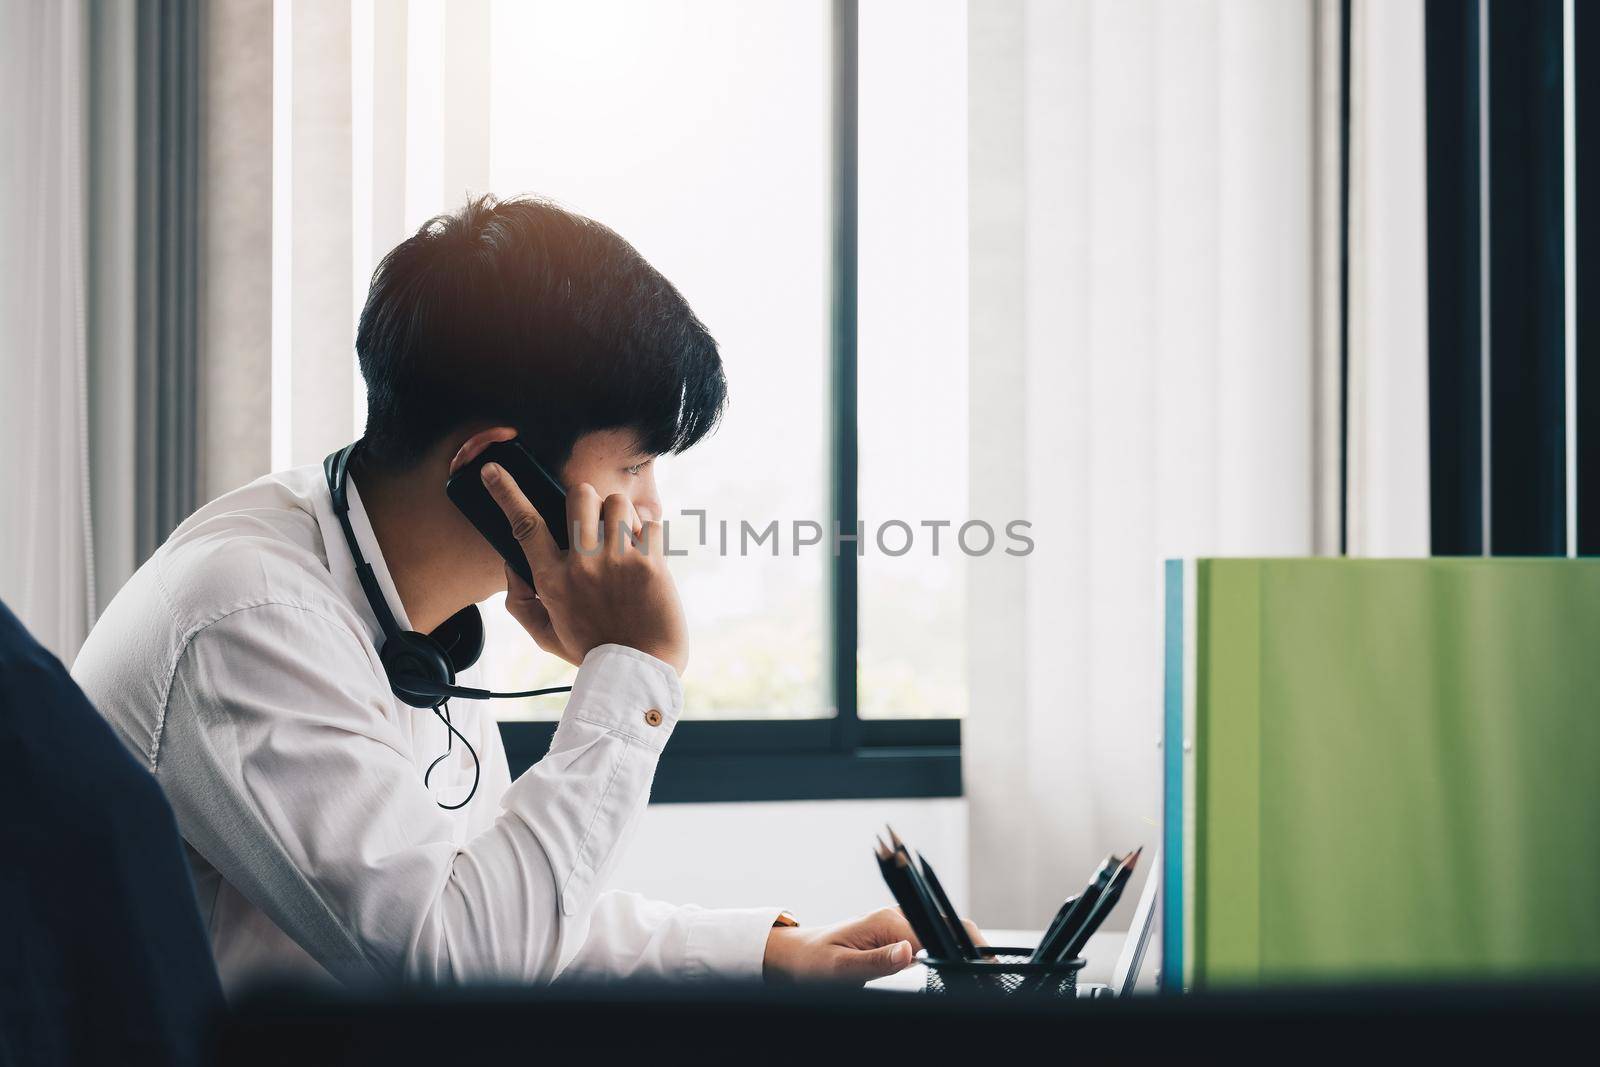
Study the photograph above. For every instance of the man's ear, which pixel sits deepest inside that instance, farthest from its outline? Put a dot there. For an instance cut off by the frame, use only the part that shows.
(477, 443)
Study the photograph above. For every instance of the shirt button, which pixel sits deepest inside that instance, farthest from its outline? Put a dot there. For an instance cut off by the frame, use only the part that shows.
(653, 717)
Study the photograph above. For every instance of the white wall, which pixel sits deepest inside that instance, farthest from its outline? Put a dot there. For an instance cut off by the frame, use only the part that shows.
(812, 857)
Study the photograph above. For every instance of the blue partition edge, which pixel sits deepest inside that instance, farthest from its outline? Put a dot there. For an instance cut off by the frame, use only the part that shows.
(1172, 787)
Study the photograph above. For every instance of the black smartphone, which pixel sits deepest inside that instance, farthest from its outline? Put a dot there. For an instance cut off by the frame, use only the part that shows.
(467, 491)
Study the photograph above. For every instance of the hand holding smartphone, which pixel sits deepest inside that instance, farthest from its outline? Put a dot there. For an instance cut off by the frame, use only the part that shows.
(467, 491)
(623, 595)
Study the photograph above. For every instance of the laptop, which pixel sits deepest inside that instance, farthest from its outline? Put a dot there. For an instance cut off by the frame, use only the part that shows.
(1126, 973)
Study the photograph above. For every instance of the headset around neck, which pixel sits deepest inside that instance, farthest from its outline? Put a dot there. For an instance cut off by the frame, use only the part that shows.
(421, 668)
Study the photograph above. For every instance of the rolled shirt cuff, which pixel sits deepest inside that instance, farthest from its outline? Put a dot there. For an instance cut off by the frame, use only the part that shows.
(627, 692)
(728, 944)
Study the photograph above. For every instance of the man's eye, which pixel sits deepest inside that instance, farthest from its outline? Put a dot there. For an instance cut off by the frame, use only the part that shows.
(638, 467)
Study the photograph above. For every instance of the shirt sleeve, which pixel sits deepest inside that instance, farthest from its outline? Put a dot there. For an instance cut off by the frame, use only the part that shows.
(288, 773)
(632, 936)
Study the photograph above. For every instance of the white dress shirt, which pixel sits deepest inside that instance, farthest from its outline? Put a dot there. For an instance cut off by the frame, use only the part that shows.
(241, 662)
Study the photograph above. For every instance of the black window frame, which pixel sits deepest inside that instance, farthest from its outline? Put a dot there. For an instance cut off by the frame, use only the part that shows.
(842, 757)
(1496, 327)
(1586, 283)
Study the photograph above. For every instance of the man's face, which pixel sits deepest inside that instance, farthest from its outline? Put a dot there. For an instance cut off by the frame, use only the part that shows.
(610, 461)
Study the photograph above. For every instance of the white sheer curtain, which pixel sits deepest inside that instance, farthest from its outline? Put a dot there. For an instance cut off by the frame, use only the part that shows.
(1388, 424)
(1143, 355)
(46, 565)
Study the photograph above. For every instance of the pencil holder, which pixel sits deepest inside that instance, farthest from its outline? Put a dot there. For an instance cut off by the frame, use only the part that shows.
(1005, 971)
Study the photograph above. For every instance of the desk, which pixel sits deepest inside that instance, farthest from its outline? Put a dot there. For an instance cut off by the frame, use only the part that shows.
(1100, 956)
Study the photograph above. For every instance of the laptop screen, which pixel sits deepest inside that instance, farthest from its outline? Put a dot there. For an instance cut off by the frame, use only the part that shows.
(1126, 974)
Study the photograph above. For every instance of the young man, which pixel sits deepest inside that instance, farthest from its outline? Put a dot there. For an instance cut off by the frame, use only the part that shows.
(243, 660)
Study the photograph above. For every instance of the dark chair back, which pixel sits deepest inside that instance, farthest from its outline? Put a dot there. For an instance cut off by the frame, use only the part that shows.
(102, 955)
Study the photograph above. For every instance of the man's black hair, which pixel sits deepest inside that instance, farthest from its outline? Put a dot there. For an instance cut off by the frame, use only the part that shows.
(520, 313)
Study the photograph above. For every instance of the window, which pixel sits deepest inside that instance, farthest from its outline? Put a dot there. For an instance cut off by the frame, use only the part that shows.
(701, 132)
(720, 138)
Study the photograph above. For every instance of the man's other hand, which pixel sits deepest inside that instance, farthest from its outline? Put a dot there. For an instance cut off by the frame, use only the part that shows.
(854, 952)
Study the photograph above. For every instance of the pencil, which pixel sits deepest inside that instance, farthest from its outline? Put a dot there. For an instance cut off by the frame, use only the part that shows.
(963, 939)
(956, 940)
(943, 939)
(1052, 931)
(1073, 911)
(916, 916)
(1101, 910)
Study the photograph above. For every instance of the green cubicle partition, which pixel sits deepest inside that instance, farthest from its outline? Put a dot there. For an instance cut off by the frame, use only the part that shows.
(1381, 769)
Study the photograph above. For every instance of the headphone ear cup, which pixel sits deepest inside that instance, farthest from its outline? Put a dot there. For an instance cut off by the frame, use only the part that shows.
(410, 654)
(461, 637)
